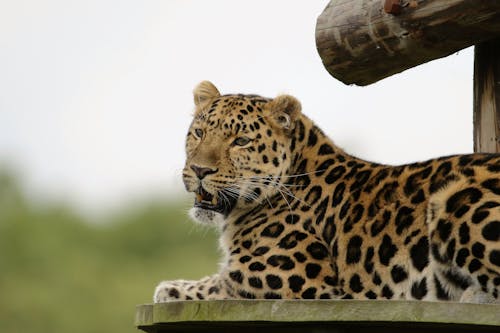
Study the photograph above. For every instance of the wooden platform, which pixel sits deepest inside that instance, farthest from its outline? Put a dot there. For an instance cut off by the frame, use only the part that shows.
(336, 316)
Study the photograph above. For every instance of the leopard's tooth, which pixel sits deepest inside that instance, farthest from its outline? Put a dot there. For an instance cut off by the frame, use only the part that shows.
(199, 198)
(214, 201)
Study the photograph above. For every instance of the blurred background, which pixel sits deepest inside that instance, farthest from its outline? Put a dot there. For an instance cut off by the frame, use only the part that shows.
(95, 101)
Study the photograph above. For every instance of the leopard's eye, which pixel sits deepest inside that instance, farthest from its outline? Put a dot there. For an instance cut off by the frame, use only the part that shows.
(242, 141)
(198, 132)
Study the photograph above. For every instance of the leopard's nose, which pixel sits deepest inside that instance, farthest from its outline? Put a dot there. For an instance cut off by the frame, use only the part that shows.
(201, 172)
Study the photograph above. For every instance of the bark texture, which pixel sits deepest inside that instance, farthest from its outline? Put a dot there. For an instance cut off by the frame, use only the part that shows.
(360, 43)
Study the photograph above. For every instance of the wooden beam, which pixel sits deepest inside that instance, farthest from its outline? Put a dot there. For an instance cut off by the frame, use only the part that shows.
(487, 97)
(360, 43)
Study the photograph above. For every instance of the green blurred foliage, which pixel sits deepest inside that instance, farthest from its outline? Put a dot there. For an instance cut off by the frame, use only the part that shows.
(60, 272)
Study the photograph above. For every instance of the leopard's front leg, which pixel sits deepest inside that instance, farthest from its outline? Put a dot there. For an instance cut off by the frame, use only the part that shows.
(208, 287)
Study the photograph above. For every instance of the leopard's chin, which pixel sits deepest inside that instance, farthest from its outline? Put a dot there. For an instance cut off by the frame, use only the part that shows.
(206, 216)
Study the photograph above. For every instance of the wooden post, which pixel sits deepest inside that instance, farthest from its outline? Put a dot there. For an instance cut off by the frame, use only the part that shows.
(487, 97)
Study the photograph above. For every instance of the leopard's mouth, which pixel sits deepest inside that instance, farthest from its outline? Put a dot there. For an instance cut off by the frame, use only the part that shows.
(206, 200)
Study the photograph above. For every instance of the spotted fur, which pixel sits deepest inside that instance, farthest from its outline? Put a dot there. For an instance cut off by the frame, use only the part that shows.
(300, 218)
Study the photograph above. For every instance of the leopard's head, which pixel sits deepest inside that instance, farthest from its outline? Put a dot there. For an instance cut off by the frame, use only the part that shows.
(238, 150)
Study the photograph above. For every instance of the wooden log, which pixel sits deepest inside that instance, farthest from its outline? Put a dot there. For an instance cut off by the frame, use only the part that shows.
(360, 43)
(487, 97)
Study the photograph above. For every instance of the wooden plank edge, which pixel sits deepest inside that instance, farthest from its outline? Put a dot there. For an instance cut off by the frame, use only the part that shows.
(319, 311)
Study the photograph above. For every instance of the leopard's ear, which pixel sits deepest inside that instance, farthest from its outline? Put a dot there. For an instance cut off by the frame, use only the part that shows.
(204, 92)
(285, 109)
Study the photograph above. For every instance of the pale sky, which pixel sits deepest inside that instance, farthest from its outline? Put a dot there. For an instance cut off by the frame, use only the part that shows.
(95, 96)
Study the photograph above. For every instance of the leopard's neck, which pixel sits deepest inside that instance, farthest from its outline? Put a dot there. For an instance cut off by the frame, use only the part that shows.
(313, 151)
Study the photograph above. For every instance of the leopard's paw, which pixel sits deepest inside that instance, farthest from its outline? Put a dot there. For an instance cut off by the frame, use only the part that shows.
(475, 295)
(168, 291)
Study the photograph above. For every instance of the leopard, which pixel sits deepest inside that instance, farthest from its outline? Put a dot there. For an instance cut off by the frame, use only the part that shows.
(299, 218)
